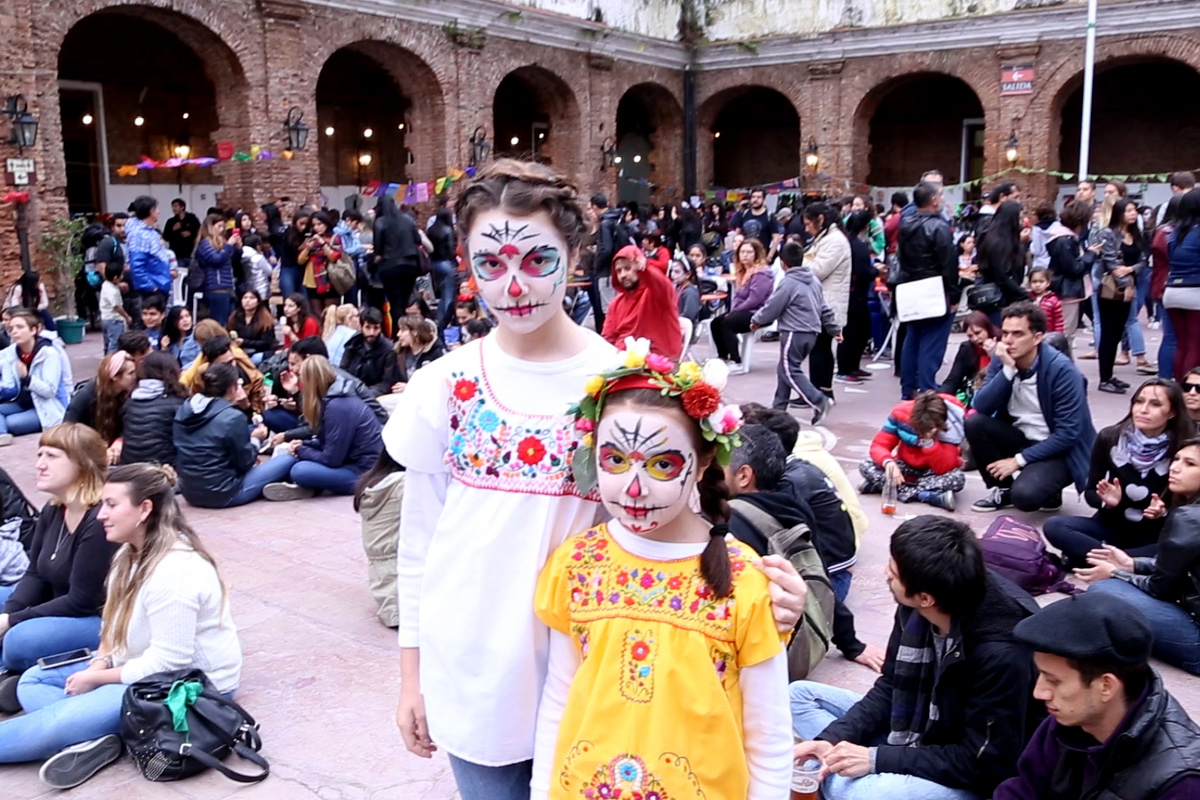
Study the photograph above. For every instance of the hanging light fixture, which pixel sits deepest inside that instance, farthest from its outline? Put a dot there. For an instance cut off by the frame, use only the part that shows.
(1012, 149)
(364, 159)
(811, 156)
(87, 119)
(637, 159)
(139, 120)
(182, 149)
(24, 125)
(186, 115)
(716, 134)
(297, 131)
(329, 130)
(514, 141)
(368, 133)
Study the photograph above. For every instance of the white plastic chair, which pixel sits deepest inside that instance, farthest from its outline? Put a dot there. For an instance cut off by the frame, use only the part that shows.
(685, 326)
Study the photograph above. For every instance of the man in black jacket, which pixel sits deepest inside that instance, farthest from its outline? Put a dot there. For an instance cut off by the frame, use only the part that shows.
(947, 718)
(1114, 731)
(369, 355)
(926, 250)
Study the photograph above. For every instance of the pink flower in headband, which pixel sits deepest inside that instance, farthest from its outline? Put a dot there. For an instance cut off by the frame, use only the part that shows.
(725, 420)
(658, 363)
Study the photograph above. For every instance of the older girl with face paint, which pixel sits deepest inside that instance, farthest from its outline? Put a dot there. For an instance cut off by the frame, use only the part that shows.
(666, 676)
(487, 443)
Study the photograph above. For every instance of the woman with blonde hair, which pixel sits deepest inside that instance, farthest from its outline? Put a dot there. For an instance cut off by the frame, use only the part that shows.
(55, 607)
(340, 325)
(345, 444)
(166, 609)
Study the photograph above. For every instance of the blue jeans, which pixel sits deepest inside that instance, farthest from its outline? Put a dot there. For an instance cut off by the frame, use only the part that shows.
(290, 279)
(814, 707)
(272, 470)
(1097, 274)
(280, 420)
(53, 720)
(18, 421)
(445, 280)
(924, 349)
(1133, 329)
(1166, 350)
(1176, 635)
(113, 328)
(841, 583)
(39, 637)
(335, 480)
(219, 305)
(477, 782)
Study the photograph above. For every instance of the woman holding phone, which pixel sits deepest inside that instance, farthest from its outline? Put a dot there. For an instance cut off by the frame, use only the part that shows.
(55, 607)
(166, 609)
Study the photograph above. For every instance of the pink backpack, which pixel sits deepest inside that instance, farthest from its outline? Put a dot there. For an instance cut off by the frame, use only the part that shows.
(1016, 551)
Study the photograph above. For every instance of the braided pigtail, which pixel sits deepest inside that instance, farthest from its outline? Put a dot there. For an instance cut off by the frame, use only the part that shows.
(714, 502)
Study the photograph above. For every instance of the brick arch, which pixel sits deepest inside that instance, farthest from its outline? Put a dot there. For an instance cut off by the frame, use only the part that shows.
(666, 117)
(558, 99)
(1064, 78)
(421, 86)
(710, 109)
(866, 104)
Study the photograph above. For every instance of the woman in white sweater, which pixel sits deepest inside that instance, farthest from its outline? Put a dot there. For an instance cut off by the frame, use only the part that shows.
(166, 609)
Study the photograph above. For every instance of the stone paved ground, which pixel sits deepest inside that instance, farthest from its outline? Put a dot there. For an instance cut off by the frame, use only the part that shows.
(321, 674)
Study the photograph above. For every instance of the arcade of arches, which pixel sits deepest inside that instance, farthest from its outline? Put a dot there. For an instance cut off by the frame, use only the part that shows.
(203, 75)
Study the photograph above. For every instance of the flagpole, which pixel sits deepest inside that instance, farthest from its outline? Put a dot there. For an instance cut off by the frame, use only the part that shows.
(1089, 69)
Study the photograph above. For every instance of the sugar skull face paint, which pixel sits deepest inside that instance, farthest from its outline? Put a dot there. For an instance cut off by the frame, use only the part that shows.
(520, 267)
(645, 466)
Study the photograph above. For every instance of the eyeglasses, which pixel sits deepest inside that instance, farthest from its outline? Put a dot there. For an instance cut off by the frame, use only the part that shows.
(1191, 387)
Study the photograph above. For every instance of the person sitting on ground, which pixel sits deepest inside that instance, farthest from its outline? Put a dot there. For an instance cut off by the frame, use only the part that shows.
(193, 375)
(754, 283)
(369, 355)
(149, 413)
(345, 444)
(417, 344)
(215, 448)
(1114, 730)
(1128, 478)
(798, 304)
(947, 718)
(298, 323)
(465, 310)
(831, 524)
(1033, 434)
(341, 323)
(919, 451)
(166, 609)
(1166, 588)
(221, 350)
(973, 358)
(377, 500)
(644, 306)
(252, 327)
(476, 329)
(82, 408)
(55, 607)
(1044, 296)
(35, 378)
(287, 394)
(154, 312)
(179, 335)
(116, 377)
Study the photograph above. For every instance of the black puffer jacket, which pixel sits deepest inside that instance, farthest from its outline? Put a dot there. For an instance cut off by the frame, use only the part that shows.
(983, 692)
(214, 450)
(1174, 575)
(926, 249)
(370, 362)
(148, 417)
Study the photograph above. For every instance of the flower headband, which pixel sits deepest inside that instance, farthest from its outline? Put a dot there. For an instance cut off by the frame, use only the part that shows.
(699, 389)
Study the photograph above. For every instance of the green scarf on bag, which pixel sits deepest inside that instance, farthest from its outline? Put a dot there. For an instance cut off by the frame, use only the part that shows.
(182, 695)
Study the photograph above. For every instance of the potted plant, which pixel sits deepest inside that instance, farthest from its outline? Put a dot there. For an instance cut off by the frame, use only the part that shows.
(62, 247)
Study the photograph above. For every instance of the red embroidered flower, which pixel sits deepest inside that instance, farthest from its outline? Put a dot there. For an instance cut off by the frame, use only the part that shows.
(639, 651)
(531, 450)
(622, 578)
(464, 389)
(647, 580)
(703, 591)
(628, 601)
(701, 401)
(675, 582)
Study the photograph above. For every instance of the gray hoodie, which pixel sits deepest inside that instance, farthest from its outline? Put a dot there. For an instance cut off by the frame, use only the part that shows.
(799, 305)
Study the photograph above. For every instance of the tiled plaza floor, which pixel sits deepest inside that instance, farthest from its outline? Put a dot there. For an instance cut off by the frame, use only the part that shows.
(321, 675)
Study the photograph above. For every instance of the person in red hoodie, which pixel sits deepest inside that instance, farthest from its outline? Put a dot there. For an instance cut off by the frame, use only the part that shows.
(1044, 296)
(645, 305)
(919, 449)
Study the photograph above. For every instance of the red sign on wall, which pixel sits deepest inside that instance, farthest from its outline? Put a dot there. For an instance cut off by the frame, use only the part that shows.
(1016, 80)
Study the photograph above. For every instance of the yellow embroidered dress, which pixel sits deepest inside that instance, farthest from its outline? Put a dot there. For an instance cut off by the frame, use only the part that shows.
(655, 710)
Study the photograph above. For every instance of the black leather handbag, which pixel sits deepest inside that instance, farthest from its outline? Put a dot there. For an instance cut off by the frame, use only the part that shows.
(166, 748)
(984, 297)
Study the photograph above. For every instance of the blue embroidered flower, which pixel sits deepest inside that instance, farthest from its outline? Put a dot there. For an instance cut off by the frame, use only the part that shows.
(488, 420)
(457, 444)
(628, 771)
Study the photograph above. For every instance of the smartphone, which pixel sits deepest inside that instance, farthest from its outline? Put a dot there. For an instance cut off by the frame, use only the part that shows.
(63, 659)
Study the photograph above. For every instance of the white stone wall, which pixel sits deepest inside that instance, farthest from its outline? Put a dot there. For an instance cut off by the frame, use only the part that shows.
(655, 19)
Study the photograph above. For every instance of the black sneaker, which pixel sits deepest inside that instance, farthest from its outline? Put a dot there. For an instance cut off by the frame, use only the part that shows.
(862, 374)
(8, 692)
(1119, 383)
(821, 411)
(851, 379)
(1053, 504)
(868, 487)
(998, 499)
(943, 500)
(1111, 387)
(770, 336)
(75, 764)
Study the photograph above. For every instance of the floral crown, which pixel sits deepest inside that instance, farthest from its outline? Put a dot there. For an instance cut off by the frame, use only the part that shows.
(699, 389)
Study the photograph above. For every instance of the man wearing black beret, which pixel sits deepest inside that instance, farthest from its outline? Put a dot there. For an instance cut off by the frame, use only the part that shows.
(1113, 731)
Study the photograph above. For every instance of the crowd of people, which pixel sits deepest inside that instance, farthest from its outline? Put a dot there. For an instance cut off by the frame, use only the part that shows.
(673, 567)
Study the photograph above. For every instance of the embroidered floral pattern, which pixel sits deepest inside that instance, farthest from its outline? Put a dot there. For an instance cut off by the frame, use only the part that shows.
(637, 666)
(600, 589)
(491, 447)
(724, 663)
(625, 778)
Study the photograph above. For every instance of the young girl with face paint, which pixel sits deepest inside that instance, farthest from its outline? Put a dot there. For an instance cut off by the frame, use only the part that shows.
(666, 677)
(484, 435)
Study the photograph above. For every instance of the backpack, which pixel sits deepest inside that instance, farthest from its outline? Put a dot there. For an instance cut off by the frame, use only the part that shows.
(14, 505)
(1016, 551)
(810, 640)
